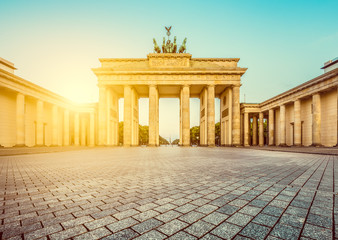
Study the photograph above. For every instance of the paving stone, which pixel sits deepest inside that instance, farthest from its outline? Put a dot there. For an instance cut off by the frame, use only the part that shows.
(182, 235)
(215, 218)
(122, 235)
(122, 224)
(168, 216)
(320, 221)
(210, 237)
(100, 222)
(146, 215)
(273, 211)
(250, 210)
(285, 232)
(43, 232)
(75, 222)
(199, 228)
(95, 234)
(191, 217)
(239, 219)
(125, 214)
(153, 235)
(226, 230)
(172, 227)
(68, 233)
(316, 232)
(186, 208)
(292, 220)
(228, 209)
(146, 225)
(266, 220)
(255, 231)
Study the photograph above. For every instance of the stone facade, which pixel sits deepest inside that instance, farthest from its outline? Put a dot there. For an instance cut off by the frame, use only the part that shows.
(177, 76)
(33, 116)
(306, 115)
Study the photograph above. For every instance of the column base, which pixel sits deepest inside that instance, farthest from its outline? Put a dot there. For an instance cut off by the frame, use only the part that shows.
(211, 145)
(261, 145)
(246, 145)
(283, 145)
(271, 145)
(297, 145)
(236, 145)
(316, 145)
(54, 146)
(40, 145)
(20, 145)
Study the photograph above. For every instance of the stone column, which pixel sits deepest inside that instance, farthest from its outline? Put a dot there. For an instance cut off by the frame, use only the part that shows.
(271, 128)
(261, 129)
(153, 121)
(127, 116)
(157, 119)
(236, 128)
(186, 115)
(337, 118)
(210, 116)
(20, 120)
(92, 130)
(254, 130)
(66, 128)
(55, 126)
(297, 126)
(83, 131)
(282, 127)
(102, 126)
(39, 123)
(76, 129)
(246, 129)
(316, 120)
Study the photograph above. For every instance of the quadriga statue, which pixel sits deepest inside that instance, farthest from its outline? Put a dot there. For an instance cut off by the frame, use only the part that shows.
(156, 47)
(183, 47)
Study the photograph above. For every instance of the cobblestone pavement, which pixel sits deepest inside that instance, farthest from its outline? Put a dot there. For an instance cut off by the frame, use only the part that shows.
(314, 150)
(168, 192)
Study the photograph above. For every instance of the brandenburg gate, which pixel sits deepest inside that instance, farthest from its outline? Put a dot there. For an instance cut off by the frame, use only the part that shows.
(169, 74)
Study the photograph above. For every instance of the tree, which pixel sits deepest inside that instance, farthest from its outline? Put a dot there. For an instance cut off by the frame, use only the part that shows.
(175, 142)
(143, 135)
(163, 141)
(218, 133)
(195, 135)
(121, 132)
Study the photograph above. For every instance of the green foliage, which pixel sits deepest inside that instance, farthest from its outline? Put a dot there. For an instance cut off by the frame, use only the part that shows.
(143, 135)
(163, 141)
(195, 135)
(175, 142)
(121, 132)
(218, 133)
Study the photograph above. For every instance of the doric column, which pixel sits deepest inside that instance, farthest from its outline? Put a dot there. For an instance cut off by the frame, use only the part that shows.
(153, 115)
(282, 126)
(261, 129)
(83, 131)
(337, 118)
(127, 116)
(186, 115)
(316, 120)
(211, 116)
(102, 128)
(271, 128)
(236, 128)
(297, 124)
(92, 129)
(76, 129)
(39, 123)
(246, 129)
(157, 119)
(66, 128)
(55, 126)
(20, 120)
(254, 130)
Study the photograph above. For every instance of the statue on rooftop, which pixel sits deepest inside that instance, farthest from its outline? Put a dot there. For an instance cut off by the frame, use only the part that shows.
(168, 46)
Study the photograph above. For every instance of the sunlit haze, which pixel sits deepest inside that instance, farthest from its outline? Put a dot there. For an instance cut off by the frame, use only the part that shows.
(55, 44)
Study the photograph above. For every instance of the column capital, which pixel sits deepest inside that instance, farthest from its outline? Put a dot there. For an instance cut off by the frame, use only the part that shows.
(185, 85)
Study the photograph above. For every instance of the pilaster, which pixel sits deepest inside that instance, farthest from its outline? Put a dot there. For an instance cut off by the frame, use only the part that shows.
(297, 124)
(236, 128)
(271, 127)
(261, 129)
(186, 115)
(316, 120)
(20, 120)
(211, 116)
(282, 125)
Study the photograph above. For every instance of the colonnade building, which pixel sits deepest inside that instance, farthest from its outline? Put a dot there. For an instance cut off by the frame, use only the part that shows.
(33, 116)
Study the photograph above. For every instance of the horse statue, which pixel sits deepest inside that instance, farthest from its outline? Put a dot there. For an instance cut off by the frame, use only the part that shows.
(156, 47)
(175, 46)
(183, 47)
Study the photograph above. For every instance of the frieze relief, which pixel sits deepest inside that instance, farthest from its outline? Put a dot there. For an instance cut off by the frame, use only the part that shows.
(167, 77)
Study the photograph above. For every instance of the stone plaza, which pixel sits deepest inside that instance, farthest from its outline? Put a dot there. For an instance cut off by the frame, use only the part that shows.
(168, 193)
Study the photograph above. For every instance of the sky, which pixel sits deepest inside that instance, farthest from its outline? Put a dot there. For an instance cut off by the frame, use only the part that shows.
(55, 44)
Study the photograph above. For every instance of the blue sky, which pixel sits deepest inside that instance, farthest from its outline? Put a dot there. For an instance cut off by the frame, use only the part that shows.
(56, 43)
